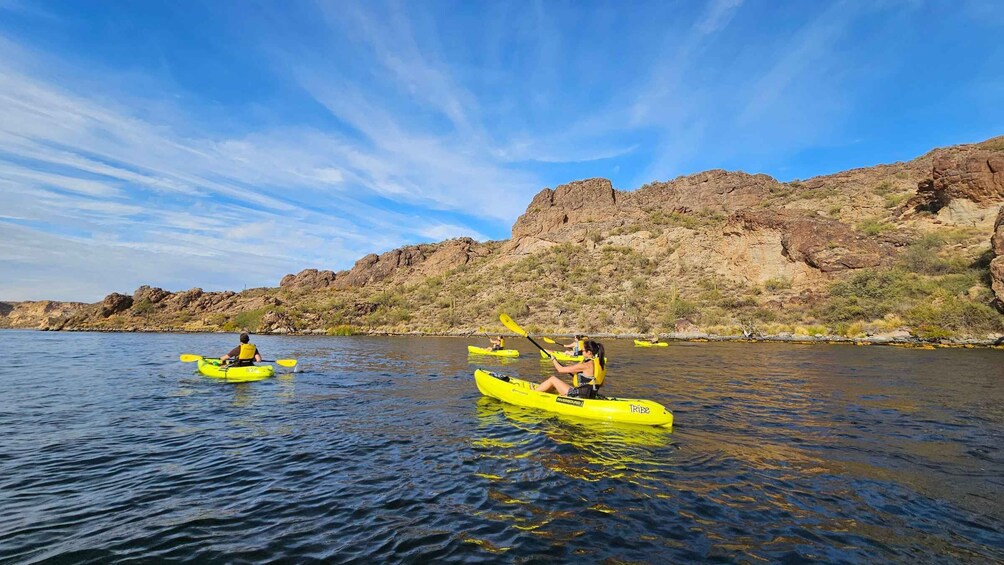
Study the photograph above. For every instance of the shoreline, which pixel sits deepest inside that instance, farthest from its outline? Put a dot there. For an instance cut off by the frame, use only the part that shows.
(685, 337)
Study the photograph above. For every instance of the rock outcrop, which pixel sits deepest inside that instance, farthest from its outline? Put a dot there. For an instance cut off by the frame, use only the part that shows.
(821, 243)
(428, 259)
(308, 279)
(711, 191)
(115, 303)
(276, 323)
(997, 263)
(149, 294)
(576, 202)
(39, 314)
(974, 173)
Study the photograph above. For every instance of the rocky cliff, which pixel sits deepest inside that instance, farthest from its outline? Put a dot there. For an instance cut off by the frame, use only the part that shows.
(997, 263)
(903, 247)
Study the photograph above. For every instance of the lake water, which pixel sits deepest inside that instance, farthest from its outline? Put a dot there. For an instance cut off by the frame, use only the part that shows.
(383, 450)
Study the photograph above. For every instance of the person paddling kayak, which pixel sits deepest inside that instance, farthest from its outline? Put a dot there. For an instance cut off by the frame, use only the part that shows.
(498, 344)
(244, 354)
(588, 376)
(576, 347)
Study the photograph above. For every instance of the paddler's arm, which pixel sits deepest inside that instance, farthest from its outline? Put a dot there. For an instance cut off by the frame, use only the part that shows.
(571, 369)
(233, 353)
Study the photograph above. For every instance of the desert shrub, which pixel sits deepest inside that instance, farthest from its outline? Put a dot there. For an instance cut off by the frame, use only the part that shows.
(812, 329)
(819, 193)
(249, 320)
(341, 330)
(737, 302)
(142, 307)
(856, 329)
(956, 314)
(398, 314)
(676, 219)
(883, 188)
(869, 295)
(874, 226)
(922, 257)
(894, 200)
(515, 307)
(776, 284)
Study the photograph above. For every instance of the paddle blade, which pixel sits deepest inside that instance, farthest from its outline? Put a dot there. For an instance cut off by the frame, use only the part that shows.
(513, 326)
(286, 362)
(548, 340)
(189, 358)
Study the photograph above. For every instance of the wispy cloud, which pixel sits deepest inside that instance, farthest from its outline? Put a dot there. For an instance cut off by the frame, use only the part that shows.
(307, 134)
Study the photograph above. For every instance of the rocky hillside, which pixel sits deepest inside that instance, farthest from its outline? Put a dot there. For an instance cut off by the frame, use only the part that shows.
(914, 248)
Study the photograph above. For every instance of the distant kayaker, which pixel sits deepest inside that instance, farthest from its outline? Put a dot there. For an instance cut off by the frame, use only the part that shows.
(588, 376)
(576, 347)
(244, 354)
(498, 343)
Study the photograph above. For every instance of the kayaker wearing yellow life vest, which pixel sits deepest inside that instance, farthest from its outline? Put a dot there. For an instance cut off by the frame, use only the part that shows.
(244, 354)
(577, 346)
(588, 376)
(498, 343)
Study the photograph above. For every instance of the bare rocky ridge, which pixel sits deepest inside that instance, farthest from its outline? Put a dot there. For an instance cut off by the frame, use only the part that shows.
(426, 259)
(41, 314)
(736, 246)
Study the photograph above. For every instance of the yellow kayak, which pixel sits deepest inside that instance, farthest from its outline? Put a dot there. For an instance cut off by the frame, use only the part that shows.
(561, 356)
(522, 393)
(498, 352)
(211, 368)
(643, 343)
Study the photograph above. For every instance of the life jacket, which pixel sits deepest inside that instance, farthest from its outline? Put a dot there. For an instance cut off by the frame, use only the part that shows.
(247, 352)
(599, 375)
(501, 343)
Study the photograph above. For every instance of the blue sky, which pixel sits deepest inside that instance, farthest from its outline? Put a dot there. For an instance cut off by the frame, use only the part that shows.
(225, 144)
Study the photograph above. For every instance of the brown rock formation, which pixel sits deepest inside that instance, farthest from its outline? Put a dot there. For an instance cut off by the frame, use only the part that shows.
(978, 177)
(969, 172)
(576, 202)
(997, 264)
(40, 314)
(151, 294)
(276, 323)
(428, 259)
(115, 303)
(308, 279)
(711, 191)
(374, 268)
(822, 243)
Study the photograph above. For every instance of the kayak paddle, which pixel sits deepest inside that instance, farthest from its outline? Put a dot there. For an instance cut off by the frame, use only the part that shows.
(189, 357)
(514, 327)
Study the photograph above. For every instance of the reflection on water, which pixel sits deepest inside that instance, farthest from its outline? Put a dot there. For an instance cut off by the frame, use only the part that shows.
(382, 449)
